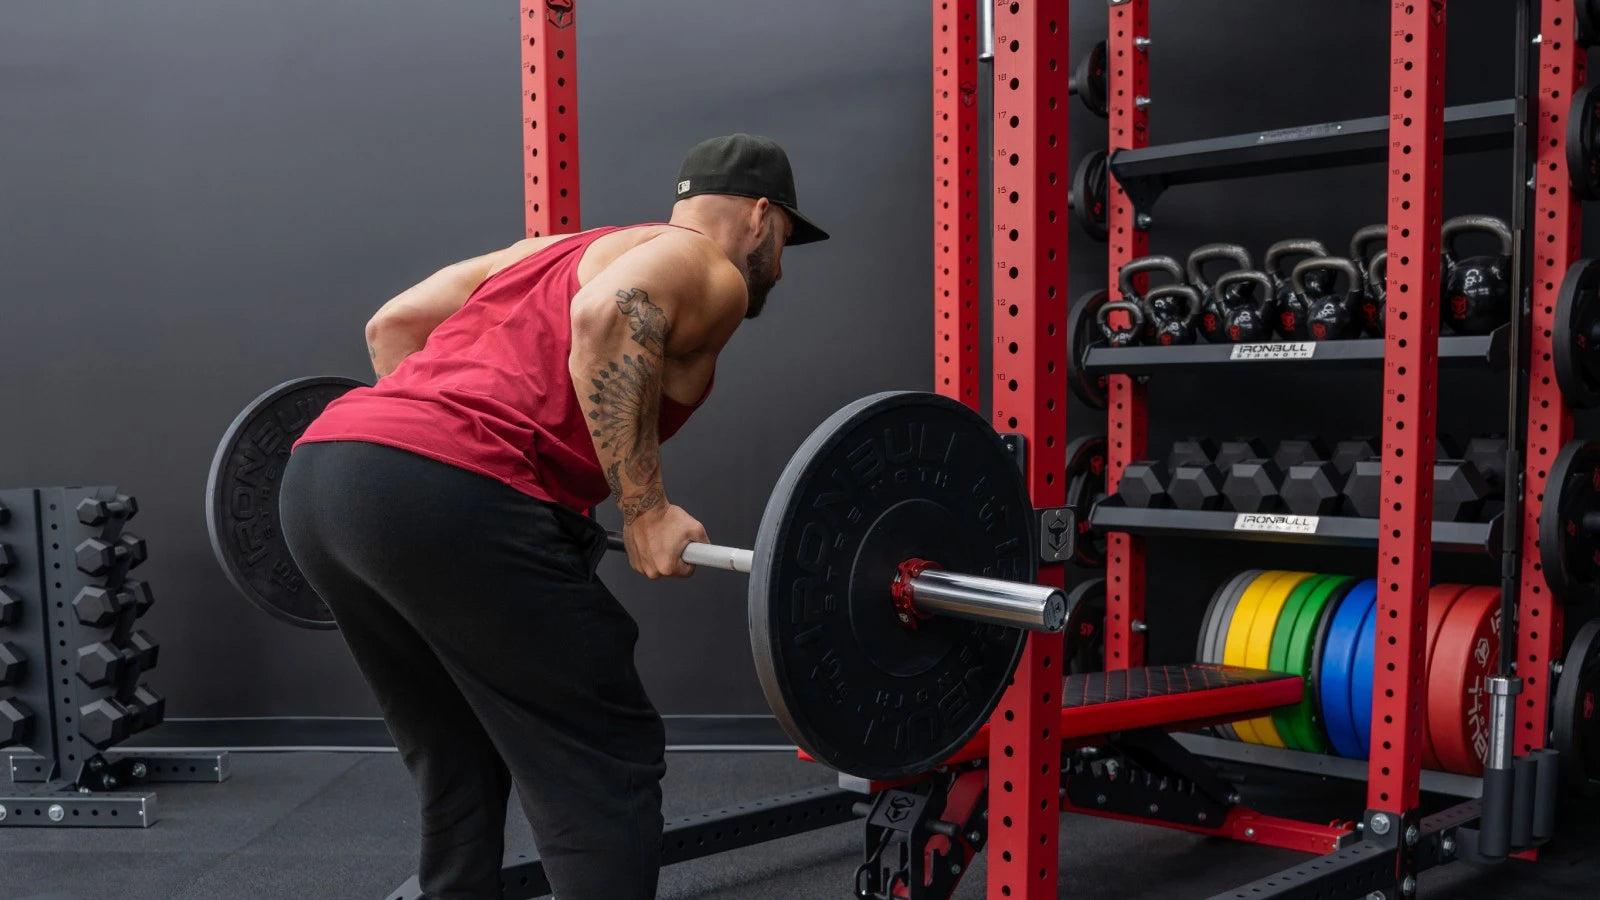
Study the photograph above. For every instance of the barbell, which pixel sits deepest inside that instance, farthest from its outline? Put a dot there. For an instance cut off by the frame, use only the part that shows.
(891, 581)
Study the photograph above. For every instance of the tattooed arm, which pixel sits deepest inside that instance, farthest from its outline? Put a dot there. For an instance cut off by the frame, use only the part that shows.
(670, 296)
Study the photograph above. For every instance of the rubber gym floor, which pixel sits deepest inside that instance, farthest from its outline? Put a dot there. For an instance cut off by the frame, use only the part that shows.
(343, 825)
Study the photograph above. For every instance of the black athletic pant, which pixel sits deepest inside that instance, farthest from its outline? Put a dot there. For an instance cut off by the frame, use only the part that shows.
(496, 655)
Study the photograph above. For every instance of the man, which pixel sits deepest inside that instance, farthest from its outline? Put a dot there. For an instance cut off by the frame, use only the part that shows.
(438, 515)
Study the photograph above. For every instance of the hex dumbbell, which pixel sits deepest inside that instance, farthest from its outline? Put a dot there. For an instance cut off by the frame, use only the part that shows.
(1144, 485)
(1253, 485)
(12, 663)
(1195, 487)
(10, 607)
(93, 511)
(1238, 450)
(145, 650)
(100, 664)
(104, 722)
(1312, 489)
(97, 557)
(16, 722)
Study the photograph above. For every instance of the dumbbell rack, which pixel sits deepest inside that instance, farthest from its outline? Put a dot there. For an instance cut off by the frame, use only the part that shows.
(68, 613)
(1030, 65)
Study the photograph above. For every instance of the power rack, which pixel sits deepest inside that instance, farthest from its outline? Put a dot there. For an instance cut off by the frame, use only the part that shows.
(1029, 241)
(1024, 796)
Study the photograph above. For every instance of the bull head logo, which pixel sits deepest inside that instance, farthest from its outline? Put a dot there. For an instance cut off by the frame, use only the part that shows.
(1458, 307)
(559, 12)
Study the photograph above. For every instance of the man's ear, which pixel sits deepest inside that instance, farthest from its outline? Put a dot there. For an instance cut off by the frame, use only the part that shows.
(759, 215)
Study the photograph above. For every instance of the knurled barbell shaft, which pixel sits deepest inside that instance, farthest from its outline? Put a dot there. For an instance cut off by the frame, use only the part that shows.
(976, 598)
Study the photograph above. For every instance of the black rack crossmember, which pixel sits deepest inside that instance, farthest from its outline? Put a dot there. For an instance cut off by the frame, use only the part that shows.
(1455, 351)
(1146, 172)
(1331, 531)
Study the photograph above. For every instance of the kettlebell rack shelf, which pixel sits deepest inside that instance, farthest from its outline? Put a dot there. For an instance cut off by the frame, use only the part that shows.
(1145, 173)
(1455, 352)
(1283, 528)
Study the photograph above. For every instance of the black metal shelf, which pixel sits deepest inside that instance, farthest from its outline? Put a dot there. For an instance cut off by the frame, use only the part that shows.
(1282, 528)
(1146, 172)
(1454, 352)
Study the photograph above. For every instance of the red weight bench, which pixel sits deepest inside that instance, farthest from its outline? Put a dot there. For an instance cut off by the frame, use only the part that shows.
(1171, 698)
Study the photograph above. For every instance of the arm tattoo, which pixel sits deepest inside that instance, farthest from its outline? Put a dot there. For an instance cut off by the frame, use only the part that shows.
(628, 396)
(648, 321)
(633, 508)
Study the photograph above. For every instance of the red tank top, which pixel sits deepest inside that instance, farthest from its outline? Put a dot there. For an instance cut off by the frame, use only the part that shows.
(490, 391)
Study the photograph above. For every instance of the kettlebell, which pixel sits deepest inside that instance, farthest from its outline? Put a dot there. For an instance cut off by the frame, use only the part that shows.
(1477, 291)
(1173, 309)
(1127, 334)
(1372, 304)
(1291, 307)
(1248, 302)
(1212, 319)
(1333, 315)
(1134, 268)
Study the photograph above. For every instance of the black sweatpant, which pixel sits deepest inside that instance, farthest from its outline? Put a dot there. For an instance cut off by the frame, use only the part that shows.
(497, 656)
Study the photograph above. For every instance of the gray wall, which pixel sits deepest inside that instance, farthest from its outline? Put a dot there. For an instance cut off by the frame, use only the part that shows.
(200, 199)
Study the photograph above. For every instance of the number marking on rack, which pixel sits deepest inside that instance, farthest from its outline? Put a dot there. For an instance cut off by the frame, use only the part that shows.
(1277, 524)
(1277, 350)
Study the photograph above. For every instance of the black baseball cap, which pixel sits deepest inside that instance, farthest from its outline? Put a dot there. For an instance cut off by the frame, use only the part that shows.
(746, 165)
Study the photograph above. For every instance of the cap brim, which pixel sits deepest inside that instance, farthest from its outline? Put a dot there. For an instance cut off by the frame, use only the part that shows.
(805, 231)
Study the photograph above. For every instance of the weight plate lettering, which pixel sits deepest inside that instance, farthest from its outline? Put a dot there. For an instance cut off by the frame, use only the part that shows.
(1583, 143)
(1576, 337)
(889, 477)
(1575, 713)
(1466, 654)
(1083, 332)
(1258, 644)
(1085, 631)
(1338, 660)
(1086, 486)
(242, 499)
(1569, 530)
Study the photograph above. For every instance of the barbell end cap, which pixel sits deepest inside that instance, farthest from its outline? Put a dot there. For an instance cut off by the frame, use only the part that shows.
(1055, 612)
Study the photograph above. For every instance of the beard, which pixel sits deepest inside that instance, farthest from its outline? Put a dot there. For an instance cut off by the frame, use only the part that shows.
(759, 277)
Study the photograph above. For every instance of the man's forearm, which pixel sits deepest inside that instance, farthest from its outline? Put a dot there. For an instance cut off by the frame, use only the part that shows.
(618, 378)
(401, 327)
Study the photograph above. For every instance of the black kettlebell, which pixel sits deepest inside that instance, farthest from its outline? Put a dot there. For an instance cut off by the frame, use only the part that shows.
(1361, 246)
(1372, 304)
(1126, 334)
(1248, 300)
(1292, 308)
(1212, 321)
(1141, 266)
(1173, 309)
(1334, 315)
(1477, 291)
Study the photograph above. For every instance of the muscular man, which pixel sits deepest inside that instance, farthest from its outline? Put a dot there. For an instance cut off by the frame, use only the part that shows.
(438, 514)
